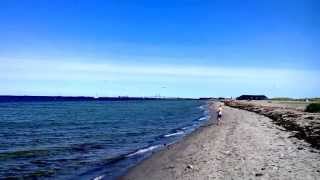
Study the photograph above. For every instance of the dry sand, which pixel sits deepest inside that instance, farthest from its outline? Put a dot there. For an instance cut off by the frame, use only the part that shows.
(245, 146)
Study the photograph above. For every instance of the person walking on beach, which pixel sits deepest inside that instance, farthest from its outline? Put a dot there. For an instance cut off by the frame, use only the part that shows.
(219, 114)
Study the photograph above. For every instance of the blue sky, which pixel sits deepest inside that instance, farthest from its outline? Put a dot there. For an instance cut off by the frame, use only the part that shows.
(186, 48)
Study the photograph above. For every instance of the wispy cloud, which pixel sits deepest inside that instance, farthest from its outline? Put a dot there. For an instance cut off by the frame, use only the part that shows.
(64, 70)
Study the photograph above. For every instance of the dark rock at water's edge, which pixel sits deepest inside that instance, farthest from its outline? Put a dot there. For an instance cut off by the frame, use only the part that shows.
(305, 125)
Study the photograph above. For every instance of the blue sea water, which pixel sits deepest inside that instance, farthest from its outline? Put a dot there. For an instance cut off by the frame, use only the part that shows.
(88, 139)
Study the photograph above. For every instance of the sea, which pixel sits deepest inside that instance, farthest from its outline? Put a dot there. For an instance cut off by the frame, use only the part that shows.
(90, 139)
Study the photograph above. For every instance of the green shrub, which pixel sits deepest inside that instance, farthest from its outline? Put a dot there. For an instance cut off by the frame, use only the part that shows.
(313, 107)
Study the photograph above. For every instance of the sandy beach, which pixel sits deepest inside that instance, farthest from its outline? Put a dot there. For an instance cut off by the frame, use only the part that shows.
(245, 146)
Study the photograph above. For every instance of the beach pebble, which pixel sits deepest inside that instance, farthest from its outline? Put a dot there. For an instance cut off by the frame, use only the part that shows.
(281, 156)
(313, 151)
(169, 167)
(225, 152)
(190, 166)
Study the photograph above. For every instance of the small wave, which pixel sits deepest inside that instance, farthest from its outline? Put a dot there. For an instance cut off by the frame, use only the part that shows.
(24, 154)
(174, 134)
(187, 127)
(84, 147)
(203, 118)
(99, 177)
(145, 150)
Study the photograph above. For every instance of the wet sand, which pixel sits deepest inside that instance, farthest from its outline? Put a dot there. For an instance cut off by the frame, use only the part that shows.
(245, 146)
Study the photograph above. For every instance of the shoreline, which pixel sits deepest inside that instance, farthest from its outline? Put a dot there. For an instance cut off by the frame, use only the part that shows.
(181, 142)
(246, 145)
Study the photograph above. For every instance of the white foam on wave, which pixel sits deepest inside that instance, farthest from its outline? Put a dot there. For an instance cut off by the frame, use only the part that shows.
(204, 108)
(203, 118)
(187, 127)
(174, 134)
(144, 150)
(99, 177)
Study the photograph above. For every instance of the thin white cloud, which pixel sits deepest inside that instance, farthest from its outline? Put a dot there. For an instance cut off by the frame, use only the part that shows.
(59, 70)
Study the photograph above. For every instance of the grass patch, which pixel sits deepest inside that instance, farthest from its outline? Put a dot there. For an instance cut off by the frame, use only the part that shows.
(282, 99)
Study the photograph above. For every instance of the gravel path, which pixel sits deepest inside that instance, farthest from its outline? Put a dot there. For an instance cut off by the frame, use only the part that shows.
(245, 146)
